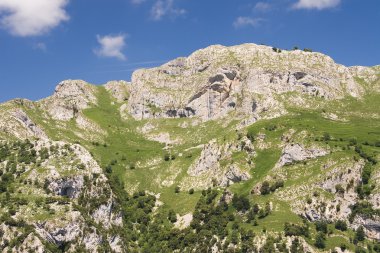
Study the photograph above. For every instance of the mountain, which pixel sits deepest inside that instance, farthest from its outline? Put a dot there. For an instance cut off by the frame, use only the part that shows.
(233, 149)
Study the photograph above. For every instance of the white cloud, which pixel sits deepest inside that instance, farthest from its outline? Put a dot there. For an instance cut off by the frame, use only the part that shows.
(111, 46)
(165, 7)
(247, 21)
(32, 17)
(316, 4)
(262, 6)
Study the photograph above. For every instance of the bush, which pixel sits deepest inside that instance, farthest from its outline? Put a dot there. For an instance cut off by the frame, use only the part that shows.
(343, 247)
(320, 241)
(191, 191)
(241, 203)
(359, 234)
(321, 226)
(341, 225)
(109, 169)
(177, 189)
(265, 188)
(172, 216)
(291, 229)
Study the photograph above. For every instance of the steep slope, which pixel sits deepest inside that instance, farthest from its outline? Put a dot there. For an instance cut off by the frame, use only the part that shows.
(246, 79)
(254, 148)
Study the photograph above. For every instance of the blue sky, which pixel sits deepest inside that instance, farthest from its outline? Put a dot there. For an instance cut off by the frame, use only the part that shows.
(45, 41)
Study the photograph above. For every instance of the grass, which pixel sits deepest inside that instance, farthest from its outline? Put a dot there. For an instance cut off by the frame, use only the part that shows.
(140, 161)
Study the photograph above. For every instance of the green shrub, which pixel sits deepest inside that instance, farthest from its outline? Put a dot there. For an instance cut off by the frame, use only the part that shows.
(241, 203)
(291, 229)
(320, 241)
(321, 226)
(341, 225)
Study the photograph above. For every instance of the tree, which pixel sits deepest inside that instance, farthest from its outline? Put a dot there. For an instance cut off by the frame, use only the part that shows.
(341, 225)
(172, 216)
(360, 235)
(291, 229)
(241, 203)
(320, 241)
(265, 188)
(109, 169)
(321, 226)
(326, 137)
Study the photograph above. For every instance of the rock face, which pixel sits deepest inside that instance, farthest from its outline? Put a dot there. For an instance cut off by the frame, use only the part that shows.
(31, 127)
(118, 89)
(69, 98)
(215, 81)
(209, 162)
(15, 122)
(209, 159)
(233, 175)
(69, 187)
(295, 153)
(371, 226)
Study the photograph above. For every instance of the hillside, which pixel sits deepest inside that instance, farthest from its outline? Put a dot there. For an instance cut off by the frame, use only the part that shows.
(232, 149)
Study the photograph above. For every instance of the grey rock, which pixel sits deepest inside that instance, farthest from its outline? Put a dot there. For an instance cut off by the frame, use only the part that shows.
(31, 127)
(244, 80)
(233, 175)
(69, 98)
(296, 153)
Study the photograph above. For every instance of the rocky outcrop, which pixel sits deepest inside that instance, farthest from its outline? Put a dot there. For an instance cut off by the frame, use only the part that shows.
(371, 225)
(118, 89)
(296, 153)
(69, 98)
(31, 127)
(183, 221)
(209, 162)
(245, 79)
(226, 197)
(16, 123)
(69, 187)
(233, 175)
(209, 159)
(70, 230)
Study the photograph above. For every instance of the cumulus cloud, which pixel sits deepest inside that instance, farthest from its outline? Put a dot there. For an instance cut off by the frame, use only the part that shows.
(163, 8)
(32, 17)
(247, 21)
(262, 6)
(316, 4)
(111, 46)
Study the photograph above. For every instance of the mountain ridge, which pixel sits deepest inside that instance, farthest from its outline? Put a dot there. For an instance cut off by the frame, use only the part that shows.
(261, 149)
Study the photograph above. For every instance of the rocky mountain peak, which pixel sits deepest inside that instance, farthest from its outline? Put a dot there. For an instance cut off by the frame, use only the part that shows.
(216, 81)
(69, 98)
